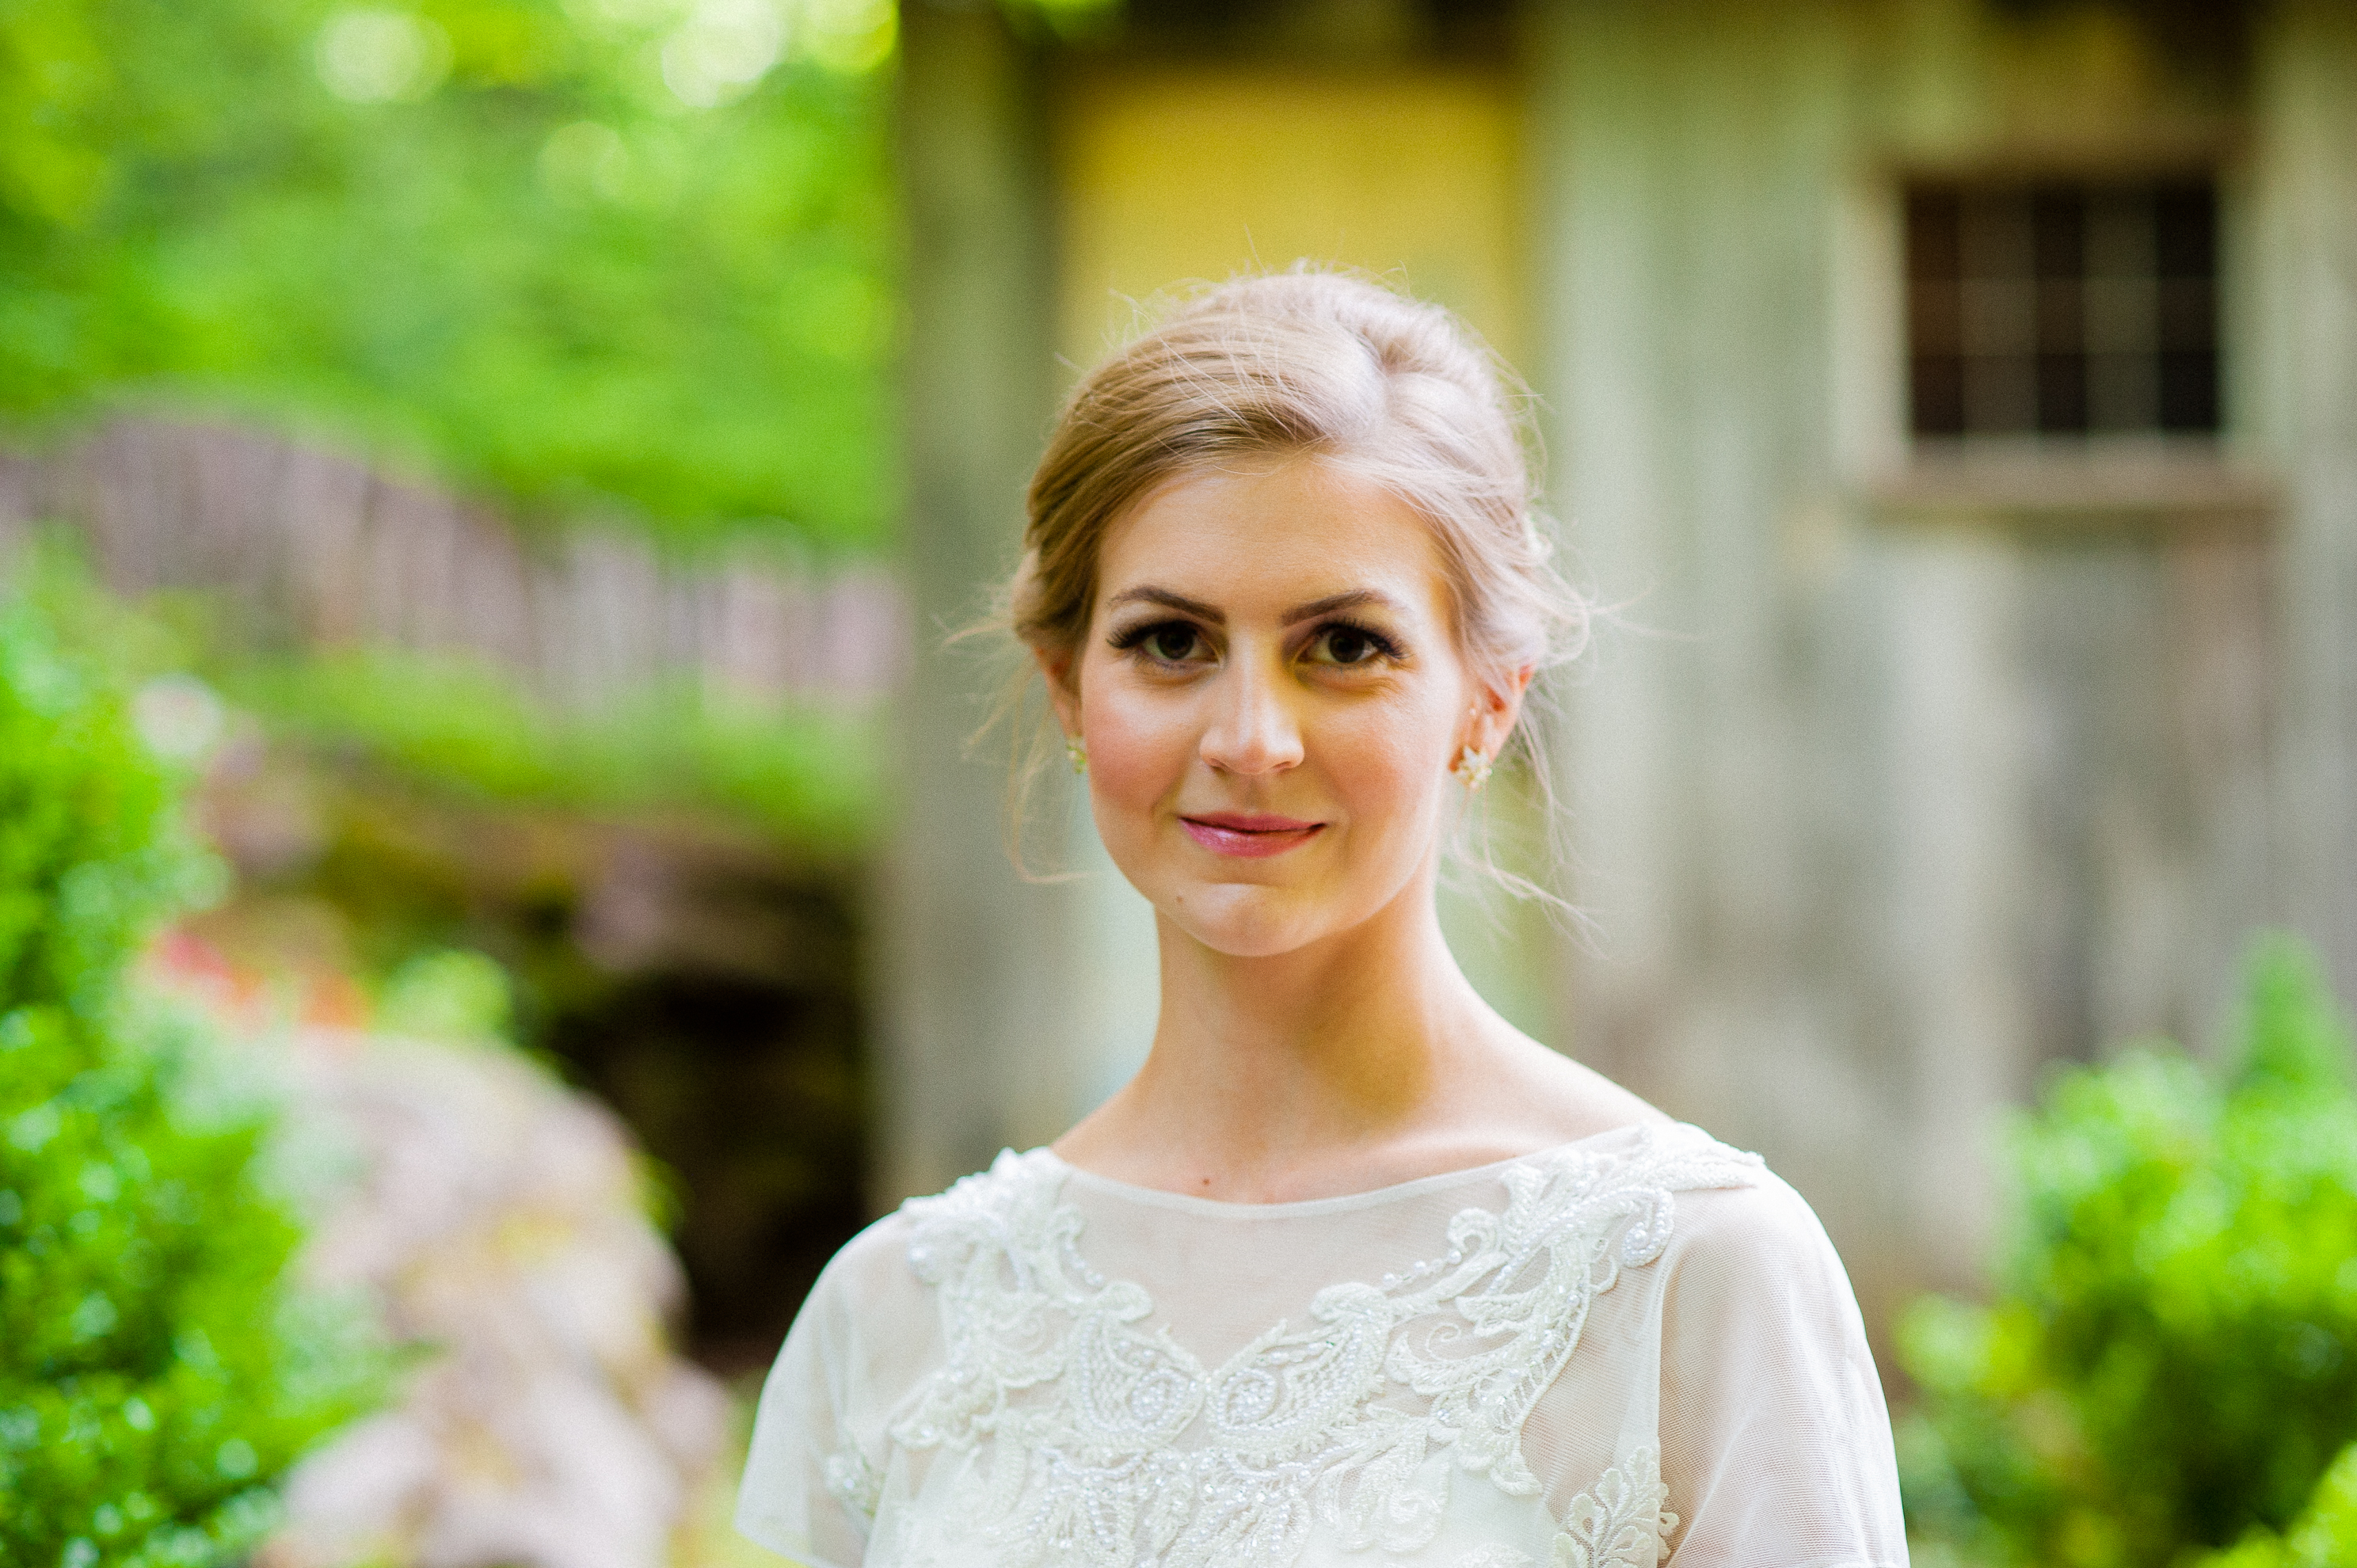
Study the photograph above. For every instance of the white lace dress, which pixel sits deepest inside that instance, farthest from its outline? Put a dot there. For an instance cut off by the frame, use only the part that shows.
(1632, 1350)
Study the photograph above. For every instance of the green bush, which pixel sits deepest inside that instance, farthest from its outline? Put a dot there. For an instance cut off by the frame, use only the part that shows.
(2324, 1536)
(90, 849)
(159, 1368)
(2168, 1367)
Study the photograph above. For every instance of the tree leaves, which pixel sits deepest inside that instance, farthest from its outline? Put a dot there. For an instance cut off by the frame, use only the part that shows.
(491, 235)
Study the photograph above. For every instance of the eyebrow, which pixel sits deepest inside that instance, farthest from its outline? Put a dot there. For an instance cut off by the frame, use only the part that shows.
(1164, 597)
(1333, 602)
(1212, 614)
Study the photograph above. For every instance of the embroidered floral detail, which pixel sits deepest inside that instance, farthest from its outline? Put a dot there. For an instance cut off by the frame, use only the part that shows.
(851, 1481)
(1096, 1441)
(1623, 1523)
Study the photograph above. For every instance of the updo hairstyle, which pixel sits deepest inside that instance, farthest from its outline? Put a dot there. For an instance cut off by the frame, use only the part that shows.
(1320, 363)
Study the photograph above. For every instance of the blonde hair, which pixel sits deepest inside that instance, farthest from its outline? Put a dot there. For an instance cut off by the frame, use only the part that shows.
(1325, 363)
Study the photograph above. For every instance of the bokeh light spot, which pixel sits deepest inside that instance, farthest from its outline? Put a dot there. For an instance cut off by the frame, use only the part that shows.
(371, 54)
(721, 49)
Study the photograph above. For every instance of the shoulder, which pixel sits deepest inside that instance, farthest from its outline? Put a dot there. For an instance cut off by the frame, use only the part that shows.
(1015, 1197)
(1758, 1229)
(1734, 1247)
(1629, 1190)
(902, 1256)
(1750, 1264)
(870, 1261)
(1675, 1156)
(1654, 1170)
(864, 1285)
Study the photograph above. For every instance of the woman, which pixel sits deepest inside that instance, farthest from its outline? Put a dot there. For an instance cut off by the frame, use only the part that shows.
(1351, 1271)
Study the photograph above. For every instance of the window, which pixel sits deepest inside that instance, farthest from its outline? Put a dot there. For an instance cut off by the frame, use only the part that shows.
(2062, 308)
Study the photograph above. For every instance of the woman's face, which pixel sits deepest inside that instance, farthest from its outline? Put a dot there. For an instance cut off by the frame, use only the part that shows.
(1271, 694)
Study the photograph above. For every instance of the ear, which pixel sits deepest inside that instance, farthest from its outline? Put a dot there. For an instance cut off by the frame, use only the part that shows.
(1497, 708)
(1064, 695)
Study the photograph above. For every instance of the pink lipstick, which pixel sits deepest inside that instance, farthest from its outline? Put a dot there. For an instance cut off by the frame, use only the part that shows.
(1248, 835)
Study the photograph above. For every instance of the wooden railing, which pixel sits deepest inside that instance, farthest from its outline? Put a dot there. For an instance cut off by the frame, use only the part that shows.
(307, 549)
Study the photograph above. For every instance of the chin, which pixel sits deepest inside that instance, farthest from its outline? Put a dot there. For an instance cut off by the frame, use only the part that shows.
(1249, 921)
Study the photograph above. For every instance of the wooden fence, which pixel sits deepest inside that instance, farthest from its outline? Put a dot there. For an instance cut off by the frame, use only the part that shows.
(307, 549)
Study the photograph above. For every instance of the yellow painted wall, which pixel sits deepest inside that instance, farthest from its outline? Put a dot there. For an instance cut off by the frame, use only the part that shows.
(1165, 175)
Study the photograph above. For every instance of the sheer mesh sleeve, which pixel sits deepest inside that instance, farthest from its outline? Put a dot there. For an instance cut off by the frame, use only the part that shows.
(1775, 1442)
(811, 1473)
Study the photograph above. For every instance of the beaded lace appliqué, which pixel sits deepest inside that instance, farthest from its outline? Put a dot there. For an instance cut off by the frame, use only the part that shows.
(1620, 1524)
(1623, 1522)
(1102, 1443)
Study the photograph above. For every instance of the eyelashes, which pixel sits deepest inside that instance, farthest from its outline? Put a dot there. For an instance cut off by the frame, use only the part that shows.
(1146, 634)
(1349, 644)
(1341, 632)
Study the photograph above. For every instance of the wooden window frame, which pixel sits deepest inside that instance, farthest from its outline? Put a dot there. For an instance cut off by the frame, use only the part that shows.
(2064, 481)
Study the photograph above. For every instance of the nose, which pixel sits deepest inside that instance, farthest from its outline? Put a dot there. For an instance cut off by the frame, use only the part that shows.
(1253, 729)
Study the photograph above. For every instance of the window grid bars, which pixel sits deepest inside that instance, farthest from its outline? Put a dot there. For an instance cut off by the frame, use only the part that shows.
(2062, 308)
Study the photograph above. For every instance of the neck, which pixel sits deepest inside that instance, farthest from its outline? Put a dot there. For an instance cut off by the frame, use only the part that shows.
(1276, 1065)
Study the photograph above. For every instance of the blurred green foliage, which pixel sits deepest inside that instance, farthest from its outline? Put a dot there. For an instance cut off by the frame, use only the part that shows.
(91, 843)
(811, 777)
(2170, 1363)
(593, 255)
(2324, 1536)
(159, 1370)
(446, 994)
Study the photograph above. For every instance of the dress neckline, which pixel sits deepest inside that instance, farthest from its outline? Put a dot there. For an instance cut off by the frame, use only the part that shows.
(1635, 1132)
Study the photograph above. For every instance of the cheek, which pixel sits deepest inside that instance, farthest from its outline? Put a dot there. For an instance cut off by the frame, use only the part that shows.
(1138, 750)
(1381, 765)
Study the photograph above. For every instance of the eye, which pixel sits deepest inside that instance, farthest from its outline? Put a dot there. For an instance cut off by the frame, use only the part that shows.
(1164, 642)
(1342, 643)
(1173, 641)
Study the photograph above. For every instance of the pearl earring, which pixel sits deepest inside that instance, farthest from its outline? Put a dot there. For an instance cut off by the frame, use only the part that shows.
(1471, 768)
(1078, 750)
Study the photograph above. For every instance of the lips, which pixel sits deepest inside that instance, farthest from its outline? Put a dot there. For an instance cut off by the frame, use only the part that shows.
(1248, 835)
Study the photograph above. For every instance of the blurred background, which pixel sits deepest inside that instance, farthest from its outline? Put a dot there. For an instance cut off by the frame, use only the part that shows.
(530, 453)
